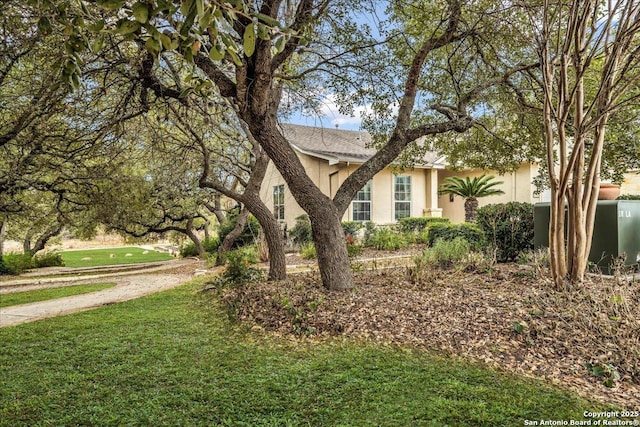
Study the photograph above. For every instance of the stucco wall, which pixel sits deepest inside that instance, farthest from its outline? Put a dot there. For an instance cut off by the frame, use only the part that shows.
(631, 183)
(517, 186)
(320, 171)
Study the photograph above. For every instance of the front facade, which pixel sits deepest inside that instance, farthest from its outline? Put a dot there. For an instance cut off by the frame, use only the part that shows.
(331, 155)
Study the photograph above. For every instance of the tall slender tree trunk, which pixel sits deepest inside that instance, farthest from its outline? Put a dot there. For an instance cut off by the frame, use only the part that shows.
(273, 236)
(3, 232)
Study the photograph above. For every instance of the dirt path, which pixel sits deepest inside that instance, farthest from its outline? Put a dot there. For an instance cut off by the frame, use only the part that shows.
(129, 286)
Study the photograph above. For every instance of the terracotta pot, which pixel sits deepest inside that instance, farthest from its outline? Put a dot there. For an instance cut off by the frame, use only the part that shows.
(609, 191)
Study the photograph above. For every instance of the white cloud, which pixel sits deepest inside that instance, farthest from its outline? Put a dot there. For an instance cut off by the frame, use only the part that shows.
(330, 110)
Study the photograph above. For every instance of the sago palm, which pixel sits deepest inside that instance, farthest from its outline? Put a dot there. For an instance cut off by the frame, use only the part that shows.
(470, 190)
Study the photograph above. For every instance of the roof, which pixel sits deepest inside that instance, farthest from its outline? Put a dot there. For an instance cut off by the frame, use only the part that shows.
(341, 146)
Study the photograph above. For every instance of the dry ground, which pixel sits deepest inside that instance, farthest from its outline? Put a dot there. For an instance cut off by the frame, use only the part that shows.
(508, 316)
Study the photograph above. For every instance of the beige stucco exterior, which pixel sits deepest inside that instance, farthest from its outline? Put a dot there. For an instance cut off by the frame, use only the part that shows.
(329, 177)
(631, 183)
(517, 186)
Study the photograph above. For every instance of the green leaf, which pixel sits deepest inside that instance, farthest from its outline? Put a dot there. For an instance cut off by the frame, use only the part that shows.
(216, 52)
(263, 32)
(166, 42)
(249, 39)
(153, 45)
(272, 22)
(280, 43)
(97, 44)
(140, 12)
(127, 27)
(44, 25)
(200, 7)
(235, 58)
(111, 4)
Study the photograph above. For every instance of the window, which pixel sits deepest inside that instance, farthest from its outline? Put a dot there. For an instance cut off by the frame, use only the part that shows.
(402, 196)
(361, 204)
(278, 202)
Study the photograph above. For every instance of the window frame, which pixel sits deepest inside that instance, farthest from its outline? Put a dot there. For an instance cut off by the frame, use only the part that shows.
(357, 200)
(407, 198)
(278, 202)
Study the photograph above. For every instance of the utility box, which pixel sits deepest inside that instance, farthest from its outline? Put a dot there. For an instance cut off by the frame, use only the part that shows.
(616, 231)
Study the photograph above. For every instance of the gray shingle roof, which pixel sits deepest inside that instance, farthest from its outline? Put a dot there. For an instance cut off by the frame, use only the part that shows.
(338, 145)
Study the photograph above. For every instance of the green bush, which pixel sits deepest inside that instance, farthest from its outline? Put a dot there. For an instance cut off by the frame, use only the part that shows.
(18, 263)
(4, 270)
(301, 232)
(508, 228)
(48, 259)
(249, 232)
(385, 239)
(353, 249)
(210, 246)
(308, 251)
(628, 197)
(446, 253)
(447, 232)
(351, 228)
(239, 269)
(417, 224)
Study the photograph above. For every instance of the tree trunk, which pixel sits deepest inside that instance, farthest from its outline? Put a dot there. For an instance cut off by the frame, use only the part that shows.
(273, 236)
(229, 239)
(328, 235)
(188, 230)
(331, 249)
(470, 209)
(3, 231)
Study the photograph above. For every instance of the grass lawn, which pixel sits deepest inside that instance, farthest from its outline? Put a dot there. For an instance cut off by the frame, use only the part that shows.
(172, 359)
(113, 256)
(7, 300)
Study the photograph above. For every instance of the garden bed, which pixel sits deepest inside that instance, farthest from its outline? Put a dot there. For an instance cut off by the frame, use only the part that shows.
(586, 339)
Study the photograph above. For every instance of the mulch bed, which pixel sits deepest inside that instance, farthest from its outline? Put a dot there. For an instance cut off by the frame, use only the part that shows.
(509, 317)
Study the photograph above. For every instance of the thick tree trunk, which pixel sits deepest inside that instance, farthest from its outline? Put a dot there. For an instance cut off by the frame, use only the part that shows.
(331, 249)
(230, 239)
(328, 235)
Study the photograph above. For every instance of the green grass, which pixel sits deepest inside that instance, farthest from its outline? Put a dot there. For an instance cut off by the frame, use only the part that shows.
(17, 298)
(99, 257)
(174, 359)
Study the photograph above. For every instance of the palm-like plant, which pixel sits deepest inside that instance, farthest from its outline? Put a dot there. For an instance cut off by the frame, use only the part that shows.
(470, 190)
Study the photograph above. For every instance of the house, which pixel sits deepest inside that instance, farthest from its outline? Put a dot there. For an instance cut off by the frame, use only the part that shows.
(331, 155)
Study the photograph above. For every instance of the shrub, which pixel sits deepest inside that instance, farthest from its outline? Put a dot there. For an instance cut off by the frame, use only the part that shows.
(48, 259)
(301, 232)
(353, 249)
(385, 239)
(447, 232)
(4, 270)
(508, 227)
(417, 224)
(446, 253)
(239, 269)
(17, 263)
(210, 246)
(369, 229)
(249, 232)
(628, 197)
(351, 228)
(308, 251)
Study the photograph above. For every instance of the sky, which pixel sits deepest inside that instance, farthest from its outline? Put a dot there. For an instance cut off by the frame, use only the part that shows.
(330, 116)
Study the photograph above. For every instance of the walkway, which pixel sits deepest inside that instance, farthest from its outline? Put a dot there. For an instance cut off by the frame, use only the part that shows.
(129, 285)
